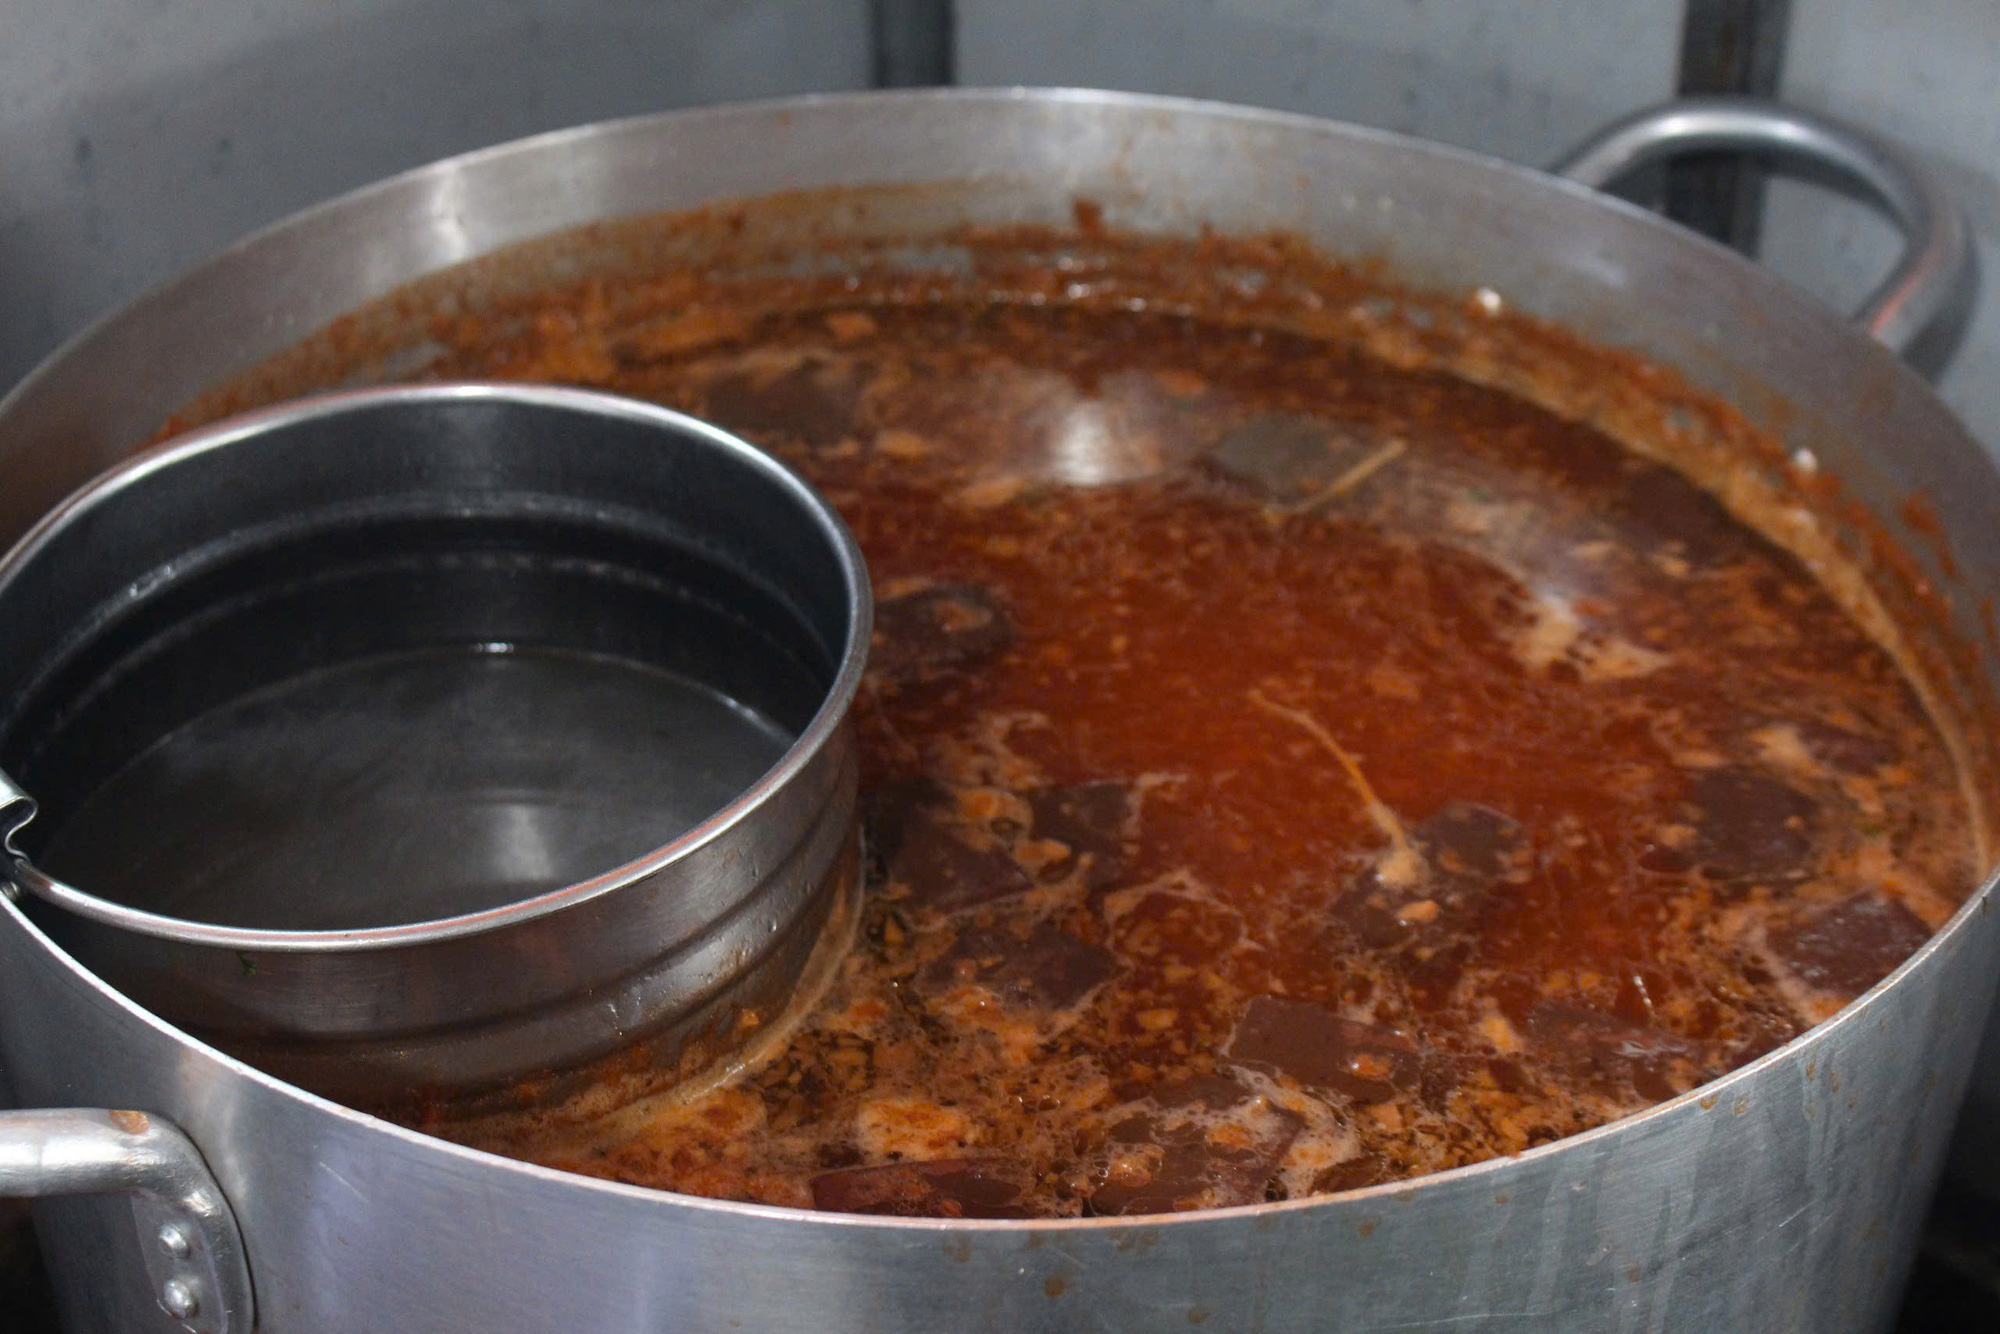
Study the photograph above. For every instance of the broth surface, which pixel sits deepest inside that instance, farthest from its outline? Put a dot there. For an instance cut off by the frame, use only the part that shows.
(1286, 772)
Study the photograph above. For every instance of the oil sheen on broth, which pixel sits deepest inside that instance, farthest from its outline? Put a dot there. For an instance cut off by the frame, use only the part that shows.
(1284, 772)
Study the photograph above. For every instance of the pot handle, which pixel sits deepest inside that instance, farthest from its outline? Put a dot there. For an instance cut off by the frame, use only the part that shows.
(1938, 266)
(16, 809)
(194, 1254)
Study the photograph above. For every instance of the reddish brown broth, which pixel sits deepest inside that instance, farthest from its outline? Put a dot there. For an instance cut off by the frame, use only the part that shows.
(1286, 772)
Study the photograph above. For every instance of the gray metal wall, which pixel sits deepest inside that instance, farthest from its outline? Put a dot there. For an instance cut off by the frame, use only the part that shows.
(1524, 81)
(1929, 75)
(137, 136)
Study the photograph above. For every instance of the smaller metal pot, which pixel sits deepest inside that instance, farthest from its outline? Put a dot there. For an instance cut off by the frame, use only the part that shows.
(427, 739)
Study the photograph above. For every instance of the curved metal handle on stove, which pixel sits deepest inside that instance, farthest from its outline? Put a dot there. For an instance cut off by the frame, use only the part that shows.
(194, 1253)
(16, 809)
(1938, 265)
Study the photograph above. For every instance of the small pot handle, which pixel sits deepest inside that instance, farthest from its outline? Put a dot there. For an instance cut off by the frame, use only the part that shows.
(194, 1254)
(16, 809)
(1938, 265)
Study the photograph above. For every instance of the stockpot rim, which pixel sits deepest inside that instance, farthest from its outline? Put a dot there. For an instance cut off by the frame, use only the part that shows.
(1405, 1190)
(799, 755)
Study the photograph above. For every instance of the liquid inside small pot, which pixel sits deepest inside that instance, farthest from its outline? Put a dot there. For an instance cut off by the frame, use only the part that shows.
(397, 720)
(413, 786)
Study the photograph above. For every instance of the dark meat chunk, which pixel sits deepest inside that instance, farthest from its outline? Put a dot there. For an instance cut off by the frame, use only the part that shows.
(814, 402)
(948, 1188)
(1445, 1072)
(1089, 819)
(1749, 826)
(1839, 748)
(1324, 1050)
(1432, 971)
(891, 810)
(944, 872)
(1287, 459)
(1050, 969)
(948, 860)
(1187, 1172)
(1210, 1092)
(1656, 1065)
(1467, 849)
(1169, 927)
(1852, 945)
(1442, 1073)
(1660, 505)
(1758, 1034)
(1368, 907)
(935, 630)
(1468, 842)
(1206, 1143)
(1664, 859)
(1364, 1169)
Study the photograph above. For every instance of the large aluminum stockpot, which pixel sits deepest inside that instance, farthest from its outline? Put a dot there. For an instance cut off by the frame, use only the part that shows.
(1786, 1195)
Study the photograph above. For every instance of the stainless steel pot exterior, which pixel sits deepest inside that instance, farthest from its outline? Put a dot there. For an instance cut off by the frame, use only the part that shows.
(1784, 1196)
(1779, 1198)
(190, 1240)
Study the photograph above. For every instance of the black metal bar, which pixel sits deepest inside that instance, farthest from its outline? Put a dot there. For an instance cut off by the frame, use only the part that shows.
(913, 42)
(1727, 46)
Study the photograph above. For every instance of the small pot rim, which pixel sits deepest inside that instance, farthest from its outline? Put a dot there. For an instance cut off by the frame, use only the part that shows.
(832, 711)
